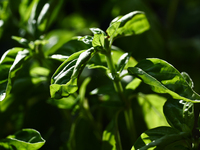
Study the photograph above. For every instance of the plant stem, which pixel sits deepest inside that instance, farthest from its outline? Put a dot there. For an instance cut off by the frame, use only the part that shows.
(119, 89)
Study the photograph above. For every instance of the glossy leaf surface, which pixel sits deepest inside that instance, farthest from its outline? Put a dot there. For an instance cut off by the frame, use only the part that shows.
(162, 138)
(14, 68)
(164, 78)
(25, 139)
(99, 38)
(129, 24)
(64, 81)
(123, 60)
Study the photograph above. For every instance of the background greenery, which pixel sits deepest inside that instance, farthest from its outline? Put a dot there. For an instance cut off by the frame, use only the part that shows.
(174, 36)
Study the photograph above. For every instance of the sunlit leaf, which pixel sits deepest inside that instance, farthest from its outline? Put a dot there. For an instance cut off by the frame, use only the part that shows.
(129, 24)
(133, 84)
(123, 60)
(151, 105)
(99, 38)
(25, 139)
(111, 136)
(64, 80)
(13, 69)
(162, 138)
(164, 78)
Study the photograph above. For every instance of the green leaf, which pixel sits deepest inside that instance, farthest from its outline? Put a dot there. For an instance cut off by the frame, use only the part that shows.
(26, 139)
(99, 38)
(162, 138)
(133, 84)
(188, 79)
(56, 39)
(123, 60)
(23, 41)
(48, 14)
(65, 102)
(109, 142)
(64, 80)
(151, 105)
(6, 62)
(111, 139)
(164, 78)
(31, 26)
(129, 24)
(21, 56)
(179, 114)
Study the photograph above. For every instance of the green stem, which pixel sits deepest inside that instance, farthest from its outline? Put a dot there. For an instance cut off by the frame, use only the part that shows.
(119, 89)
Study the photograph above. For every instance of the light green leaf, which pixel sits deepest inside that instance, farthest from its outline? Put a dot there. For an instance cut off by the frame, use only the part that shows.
(129, 24)
(65, 102)
(64, 80)
(152, 105)
(99, 38)
(162, 138)
(133, 84)
(164, 78)
(111, 138)
(26, 139)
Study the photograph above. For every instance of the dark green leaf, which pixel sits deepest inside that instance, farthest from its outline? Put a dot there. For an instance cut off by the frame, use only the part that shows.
(164, 78)
(161, 138)
(26, 139)
(64, 80)
(129, 24)
(180, 114)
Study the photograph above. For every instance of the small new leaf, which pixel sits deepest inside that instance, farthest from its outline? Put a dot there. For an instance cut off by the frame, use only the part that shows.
(99, 38)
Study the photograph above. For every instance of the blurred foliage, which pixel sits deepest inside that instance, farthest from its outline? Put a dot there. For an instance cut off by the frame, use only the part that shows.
(174, 36)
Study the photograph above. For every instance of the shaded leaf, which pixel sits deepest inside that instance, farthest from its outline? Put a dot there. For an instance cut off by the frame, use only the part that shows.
(23, 41)
(179, 114)
(164, 78)
(56, 39)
